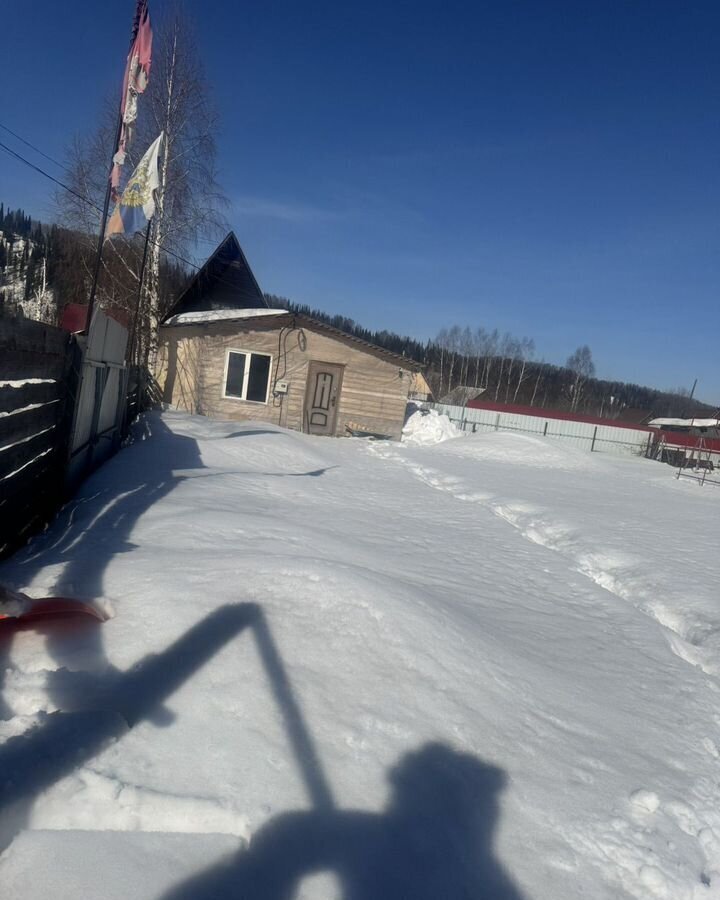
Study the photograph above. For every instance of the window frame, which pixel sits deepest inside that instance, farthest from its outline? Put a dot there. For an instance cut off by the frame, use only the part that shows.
(246, 376)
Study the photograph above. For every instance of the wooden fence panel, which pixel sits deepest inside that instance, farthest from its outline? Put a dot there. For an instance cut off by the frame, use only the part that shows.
(25, 423)
(23, 364)
(18, 396)
(54, 413)
(34, 402)
(33, 337)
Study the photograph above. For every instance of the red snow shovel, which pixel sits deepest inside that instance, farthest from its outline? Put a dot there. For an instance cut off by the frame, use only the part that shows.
(17, 608)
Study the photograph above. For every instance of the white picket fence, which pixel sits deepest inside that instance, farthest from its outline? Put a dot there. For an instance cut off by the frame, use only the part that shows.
(597, 438)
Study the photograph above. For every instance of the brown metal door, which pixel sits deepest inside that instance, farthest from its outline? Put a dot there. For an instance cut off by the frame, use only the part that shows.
(322, 396)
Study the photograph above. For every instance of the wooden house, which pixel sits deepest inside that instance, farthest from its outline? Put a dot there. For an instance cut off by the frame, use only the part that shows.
(223, 353)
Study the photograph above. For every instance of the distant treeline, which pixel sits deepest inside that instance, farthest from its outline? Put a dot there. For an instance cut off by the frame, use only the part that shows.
(43, 268)
(501, 367)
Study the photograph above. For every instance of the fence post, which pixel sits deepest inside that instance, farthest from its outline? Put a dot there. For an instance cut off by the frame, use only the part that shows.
(497, 422)
(592, 446)
(545, 430)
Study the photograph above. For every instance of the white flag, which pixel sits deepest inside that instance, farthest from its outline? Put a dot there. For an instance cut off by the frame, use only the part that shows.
(139, 194)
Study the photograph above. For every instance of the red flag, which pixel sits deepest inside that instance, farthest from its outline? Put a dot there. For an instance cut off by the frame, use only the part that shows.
(137, 76)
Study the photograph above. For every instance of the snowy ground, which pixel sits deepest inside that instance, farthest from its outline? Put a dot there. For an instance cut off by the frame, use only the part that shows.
(485, 669)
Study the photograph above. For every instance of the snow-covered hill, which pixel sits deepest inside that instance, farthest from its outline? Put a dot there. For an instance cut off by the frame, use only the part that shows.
(482, 669)
(24, 284)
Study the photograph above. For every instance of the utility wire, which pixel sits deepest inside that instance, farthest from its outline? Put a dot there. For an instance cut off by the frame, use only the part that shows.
(85, 200)
(31, 146)
(48, 175)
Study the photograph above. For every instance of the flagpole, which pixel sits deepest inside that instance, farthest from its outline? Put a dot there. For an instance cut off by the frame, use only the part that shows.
(138, 304)
(131, 346)
(106, 205)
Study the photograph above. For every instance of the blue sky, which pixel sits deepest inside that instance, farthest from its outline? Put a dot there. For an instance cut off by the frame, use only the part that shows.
(547, 168)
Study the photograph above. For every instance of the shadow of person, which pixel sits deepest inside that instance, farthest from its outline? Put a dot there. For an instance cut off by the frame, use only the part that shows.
(434, 840)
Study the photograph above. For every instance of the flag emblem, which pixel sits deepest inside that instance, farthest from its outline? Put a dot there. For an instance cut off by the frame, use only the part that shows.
(136, 204)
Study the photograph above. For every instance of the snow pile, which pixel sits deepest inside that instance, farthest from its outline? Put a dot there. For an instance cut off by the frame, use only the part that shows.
(487, 668)
(426, 428)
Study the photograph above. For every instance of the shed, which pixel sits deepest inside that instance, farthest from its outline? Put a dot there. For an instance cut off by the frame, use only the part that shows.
(251, 362)
(462, 395)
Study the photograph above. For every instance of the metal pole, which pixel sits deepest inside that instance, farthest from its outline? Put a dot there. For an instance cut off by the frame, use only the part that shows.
(138, 304)
(106, 205)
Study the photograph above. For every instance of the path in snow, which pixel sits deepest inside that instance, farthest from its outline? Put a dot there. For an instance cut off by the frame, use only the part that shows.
(619, 554)
(584, 746)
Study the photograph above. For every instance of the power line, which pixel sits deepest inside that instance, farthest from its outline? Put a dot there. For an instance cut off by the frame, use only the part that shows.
(48, 175)
(31, 146)
(89, 202)
(70, 190)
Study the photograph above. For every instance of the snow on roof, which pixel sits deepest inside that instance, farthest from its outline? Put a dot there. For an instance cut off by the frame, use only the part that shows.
(218, 315)
(685, 423)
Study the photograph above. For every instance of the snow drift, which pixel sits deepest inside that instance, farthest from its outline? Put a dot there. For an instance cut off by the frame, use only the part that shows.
(484, 668)
(426, 427)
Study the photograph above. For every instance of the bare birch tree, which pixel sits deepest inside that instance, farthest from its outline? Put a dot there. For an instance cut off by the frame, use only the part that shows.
(526, 353)
(491, 348)
(466, 346)
(189, 202)
(582, 366)
(479, 340)
(442, 341)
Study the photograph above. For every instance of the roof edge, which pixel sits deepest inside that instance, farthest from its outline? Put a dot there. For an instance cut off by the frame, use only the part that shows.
(405, 362)
(230, 236)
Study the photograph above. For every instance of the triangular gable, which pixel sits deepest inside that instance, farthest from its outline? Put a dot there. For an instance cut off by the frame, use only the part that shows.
(225, 281)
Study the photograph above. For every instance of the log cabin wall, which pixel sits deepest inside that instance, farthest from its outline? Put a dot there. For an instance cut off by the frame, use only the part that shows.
(192, 367)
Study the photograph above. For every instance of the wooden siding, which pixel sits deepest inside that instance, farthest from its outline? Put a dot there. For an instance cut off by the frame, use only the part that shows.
(191, 369)
(35, 409)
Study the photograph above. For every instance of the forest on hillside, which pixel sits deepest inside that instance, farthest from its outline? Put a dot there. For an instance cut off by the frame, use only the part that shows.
(43, 268)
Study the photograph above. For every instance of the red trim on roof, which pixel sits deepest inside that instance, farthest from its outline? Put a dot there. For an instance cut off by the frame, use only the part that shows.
(678, 439)
(539, 413)
(672, 438)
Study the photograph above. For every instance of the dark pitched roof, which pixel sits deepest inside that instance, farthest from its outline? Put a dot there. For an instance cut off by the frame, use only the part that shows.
(225, 281)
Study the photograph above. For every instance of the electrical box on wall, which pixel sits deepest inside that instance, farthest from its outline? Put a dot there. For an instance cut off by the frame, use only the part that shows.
(281, 387)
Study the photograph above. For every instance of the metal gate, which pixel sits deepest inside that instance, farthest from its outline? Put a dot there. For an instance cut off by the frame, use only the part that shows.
(100, 402)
